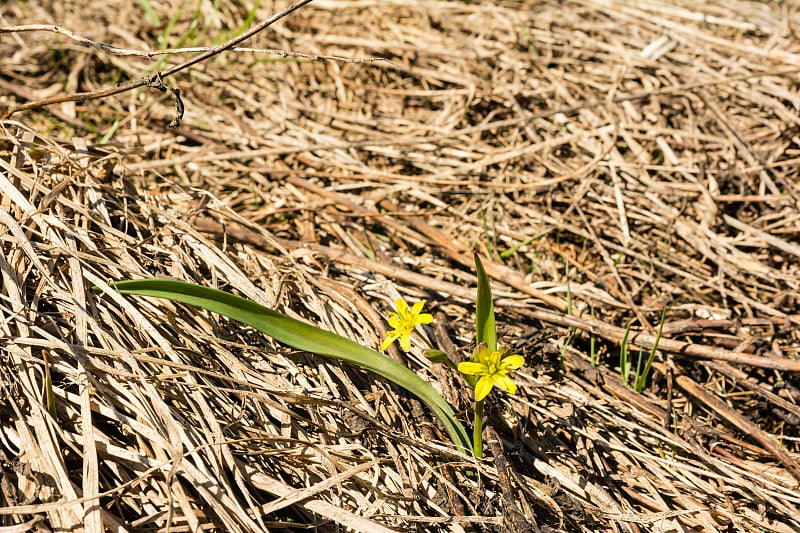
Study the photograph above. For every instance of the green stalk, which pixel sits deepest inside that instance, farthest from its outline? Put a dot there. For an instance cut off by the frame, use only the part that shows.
(477, 431)
(485, 332)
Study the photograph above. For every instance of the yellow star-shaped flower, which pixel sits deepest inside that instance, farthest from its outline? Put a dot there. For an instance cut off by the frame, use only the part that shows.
(493, 367)
(404, 321)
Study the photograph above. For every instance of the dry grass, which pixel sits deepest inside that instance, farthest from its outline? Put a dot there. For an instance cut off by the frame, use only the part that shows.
(644, 156)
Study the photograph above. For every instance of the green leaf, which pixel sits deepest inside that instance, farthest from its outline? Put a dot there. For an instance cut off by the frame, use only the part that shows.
(302, 336)
(485, 329)
(624, 358)
(641, 379)
(436, 356)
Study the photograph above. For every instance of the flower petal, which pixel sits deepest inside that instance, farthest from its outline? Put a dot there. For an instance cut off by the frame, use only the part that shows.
(483, 387)
(391, 336)
(424, 318)
(401, 306)
(405, 340)
(417, 309)
(482, 354)
(472, 368)
(512, 362)
(505, 383)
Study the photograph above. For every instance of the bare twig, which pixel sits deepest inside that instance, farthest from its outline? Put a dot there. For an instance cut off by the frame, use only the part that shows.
(149, 54)
(153, 80)
(78, 38)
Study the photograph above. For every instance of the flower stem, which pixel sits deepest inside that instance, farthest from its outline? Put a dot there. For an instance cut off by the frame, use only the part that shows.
(424, 338)
(477, 432)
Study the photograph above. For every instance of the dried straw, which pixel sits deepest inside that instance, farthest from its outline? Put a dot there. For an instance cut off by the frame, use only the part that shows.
(627, 155)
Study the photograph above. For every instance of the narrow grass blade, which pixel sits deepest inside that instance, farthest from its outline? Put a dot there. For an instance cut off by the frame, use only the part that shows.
(514, 249)
(641, 380)
(151, 13)
(302, 336)
(624, 359)
(485, 329)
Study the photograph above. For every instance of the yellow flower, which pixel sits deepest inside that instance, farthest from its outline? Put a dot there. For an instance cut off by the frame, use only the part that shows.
(404, 321)
(493, 368)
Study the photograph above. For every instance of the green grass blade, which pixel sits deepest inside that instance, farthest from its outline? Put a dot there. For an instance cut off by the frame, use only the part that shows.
(624, 360)
(301, 336)
(485, 329)
(151, 13)
(641, 380)
(514, 249)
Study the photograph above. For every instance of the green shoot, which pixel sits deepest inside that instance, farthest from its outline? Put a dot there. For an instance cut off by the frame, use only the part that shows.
(163, 39)
(641, 379)
(488, 361)
(110, 133)
(624, 359)
(485, 327)
(532, 50)
(514, 249)
(151, 13)
(365, 248)
(571, 330)
(485, 333)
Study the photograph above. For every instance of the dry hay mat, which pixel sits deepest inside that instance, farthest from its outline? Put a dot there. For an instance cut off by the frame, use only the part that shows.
(608, 160)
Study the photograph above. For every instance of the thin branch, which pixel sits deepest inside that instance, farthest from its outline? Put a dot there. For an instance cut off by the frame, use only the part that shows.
(75, 37)
(149, 54)
(157, 78)
(287, 53)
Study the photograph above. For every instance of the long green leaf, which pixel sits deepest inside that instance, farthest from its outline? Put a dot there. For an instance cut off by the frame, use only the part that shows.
(485, 329)
(301, 336)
